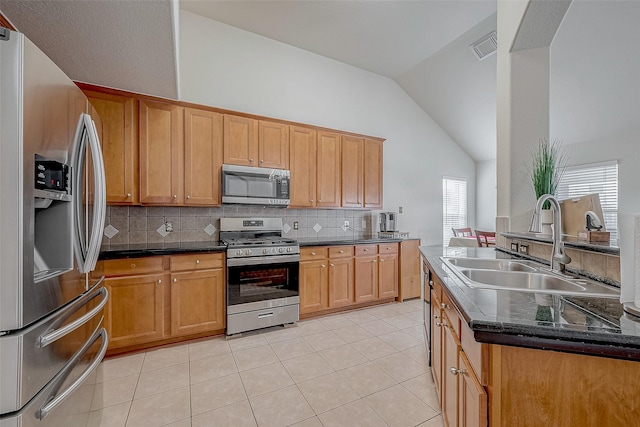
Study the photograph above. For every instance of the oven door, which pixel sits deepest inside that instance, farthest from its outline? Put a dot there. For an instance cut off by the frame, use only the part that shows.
(266, 281)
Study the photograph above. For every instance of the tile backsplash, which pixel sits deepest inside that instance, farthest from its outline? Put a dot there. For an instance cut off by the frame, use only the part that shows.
(146, 225)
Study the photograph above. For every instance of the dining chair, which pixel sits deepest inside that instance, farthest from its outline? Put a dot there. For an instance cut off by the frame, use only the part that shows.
(483, 238)
(462, 232)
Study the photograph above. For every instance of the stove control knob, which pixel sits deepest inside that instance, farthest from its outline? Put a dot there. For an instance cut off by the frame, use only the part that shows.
(280, 250)
(265, 251)
(248, 252)
(238, 252)
(288, 249)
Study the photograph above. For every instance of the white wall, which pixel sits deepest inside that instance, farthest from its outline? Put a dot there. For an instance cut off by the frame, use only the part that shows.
(230, 68)
(486, 195)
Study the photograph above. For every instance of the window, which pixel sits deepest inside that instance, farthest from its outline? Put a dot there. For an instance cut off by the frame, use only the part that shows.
(599, 178)
(454, 206)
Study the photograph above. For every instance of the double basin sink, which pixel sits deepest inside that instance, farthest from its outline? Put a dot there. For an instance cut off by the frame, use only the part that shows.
(523, 275)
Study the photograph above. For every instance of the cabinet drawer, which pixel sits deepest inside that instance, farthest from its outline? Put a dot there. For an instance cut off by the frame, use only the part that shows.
(132, 266)
(388, 248)
(340, 251)
(365, 250)
(196, 262)
(313, 253)
(452, 314)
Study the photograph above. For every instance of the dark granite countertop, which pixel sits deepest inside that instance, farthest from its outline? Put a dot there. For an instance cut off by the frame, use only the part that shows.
(569, 242)
(593, 326)
(151, 249)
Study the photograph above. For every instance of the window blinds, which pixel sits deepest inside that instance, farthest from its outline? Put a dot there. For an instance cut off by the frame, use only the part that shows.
(601, 178)
(454, 206)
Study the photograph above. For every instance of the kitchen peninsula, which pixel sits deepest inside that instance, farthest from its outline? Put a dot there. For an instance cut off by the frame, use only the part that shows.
(521, 358)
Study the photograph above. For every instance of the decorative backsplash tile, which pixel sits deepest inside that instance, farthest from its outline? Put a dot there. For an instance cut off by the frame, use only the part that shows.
(142, 225)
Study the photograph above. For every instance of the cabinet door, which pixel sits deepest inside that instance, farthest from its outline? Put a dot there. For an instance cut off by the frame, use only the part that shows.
(313, 286)
(197, 302)
(135, 311)
(341, 282)
(329, 169)
(472, 397)
(117, 125)
(450, 349)
(409, 286)
(372, 174)
(302, 160)
(240, 140)
(202, 157)
(436, 344)
(161, 153)
(273, 145)
(366, 272)
(352, 164)
(388, 276)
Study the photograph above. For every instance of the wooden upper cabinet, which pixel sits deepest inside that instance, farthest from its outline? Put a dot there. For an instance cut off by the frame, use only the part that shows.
(302, 161)
(372, 174)
(240, 141)
(352, 167)
(273, 145)
(329, 171)
(117, 125)
(202, 157)
(161, 153)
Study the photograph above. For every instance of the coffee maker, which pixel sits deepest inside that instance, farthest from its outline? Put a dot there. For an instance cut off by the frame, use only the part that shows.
(388, 221)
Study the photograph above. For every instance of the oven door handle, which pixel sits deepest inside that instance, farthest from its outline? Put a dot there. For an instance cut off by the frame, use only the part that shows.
(262, 260)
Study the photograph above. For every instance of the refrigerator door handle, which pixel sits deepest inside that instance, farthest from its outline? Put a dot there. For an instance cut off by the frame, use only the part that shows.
(46, 409)
(61, 332)
(100, 196)
(87, 251)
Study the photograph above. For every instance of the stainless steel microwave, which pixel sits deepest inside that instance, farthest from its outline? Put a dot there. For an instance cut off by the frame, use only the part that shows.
(255, 186)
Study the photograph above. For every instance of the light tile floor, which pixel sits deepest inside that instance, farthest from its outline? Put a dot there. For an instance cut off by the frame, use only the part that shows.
(365, 367)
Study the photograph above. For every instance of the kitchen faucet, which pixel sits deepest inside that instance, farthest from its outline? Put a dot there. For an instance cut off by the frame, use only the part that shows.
(559, 258)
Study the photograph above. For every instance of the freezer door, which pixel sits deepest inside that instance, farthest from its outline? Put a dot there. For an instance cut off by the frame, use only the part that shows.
(66, 400)
(89, 195)
(31, 357)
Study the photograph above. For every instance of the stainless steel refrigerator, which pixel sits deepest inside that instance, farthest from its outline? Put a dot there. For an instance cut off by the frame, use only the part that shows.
(52, 210)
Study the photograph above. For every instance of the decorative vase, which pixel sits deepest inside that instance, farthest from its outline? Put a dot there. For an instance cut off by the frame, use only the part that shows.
(546, 215)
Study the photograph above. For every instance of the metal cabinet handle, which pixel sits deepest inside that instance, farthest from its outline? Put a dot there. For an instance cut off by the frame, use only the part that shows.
(175, 196)
(441, 323)
(366, 250)
(332, 265)
(456, 371)
(175, 280)
(133, 266)
(197, 261)
(435, 316)
(128, 194)
(188, 197)
(313, 253)
(159, 281)
(341, 252)
(324, 266)
(431, 282)
(261, 161)
(381, 260)
(311, 200)
(251, 160)
(444, 306)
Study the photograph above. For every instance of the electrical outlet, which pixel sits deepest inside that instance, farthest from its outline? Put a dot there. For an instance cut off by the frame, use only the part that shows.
(524, 249)
(364, 223)
(346, 224)
(400, 209)
(514, 246)
(168, 226)
(295, 225)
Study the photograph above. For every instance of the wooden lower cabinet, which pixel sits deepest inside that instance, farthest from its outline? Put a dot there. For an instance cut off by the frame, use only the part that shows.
(341, 282)
(181, 295)
(366, 278)
(388, 276)
(450, 350)
(195, 302)
(472, 398)
(313, 286)
(135, 311)
(409, 260)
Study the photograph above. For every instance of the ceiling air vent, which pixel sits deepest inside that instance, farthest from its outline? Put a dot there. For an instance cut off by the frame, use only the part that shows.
(486, 45)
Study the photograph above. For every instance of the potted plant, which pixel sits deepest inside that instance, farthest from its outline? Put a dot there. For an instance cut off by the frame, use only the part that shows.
(548, 163)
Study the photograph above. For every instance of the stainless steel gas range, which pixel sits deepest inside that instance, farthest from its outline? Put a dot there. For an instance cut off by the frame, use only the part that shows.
(262, 274)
